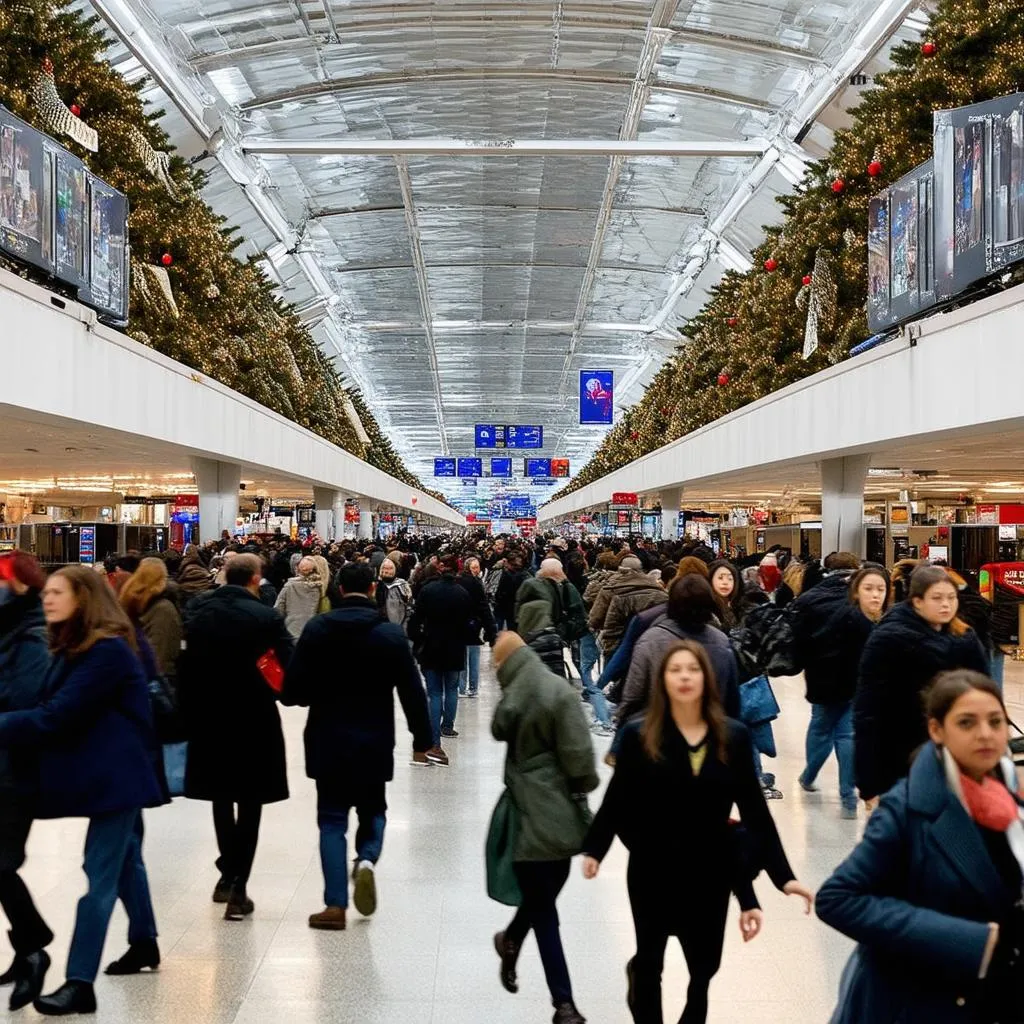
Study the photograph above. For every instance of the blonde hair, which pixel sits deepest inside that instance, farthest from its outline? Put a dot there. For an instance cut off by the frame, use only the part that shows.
(793, 577)
(147, 582)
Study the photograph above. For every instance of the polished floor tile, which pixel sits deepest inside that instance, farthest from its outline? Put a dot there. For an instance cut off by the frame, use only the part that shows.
(425, 957)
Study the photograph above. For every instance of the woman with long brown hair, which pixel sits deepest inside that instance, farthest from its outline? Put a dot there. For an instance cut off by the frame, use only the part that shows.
(679, 771)
(97, 755)
(148, 603)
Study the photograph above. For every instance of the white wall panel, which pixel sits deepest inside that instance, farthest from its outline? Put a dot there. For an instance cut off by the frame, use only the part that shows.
(962, 376)
(63, 363)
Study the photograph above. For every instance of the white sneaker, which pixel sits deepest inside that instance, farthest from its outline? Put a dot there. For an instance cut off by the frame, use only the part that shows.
(365, 894)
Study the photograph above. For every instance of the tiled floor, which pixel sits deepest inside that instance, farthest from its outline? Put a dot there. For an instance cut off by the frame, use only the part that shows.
(426, 955)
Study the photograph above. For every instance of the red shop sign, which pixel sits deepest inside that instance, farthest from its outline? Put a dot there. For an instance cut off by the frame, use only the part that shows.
(624, 498)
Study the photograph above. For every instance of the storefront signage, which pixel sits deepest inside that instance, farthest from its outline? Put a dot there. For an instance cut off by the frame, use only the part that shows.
(624, 498)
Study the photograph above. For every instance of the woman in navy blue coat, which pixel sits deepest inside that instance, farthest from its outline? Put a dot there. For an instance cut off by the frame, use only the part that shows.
(97, 756)
(933, 891)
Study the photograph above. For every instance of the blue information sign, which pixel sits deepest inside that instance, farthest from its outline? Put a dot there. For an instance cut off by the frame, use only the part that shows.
(538, 467)
(501, 467)
(470, 467)
(597, 396)
(520, 436)
(444, 467)
(489, 436)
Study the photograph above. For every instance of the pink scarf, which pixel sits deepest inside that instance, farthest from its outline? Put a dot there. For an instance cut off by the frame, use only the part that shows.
(989, 803)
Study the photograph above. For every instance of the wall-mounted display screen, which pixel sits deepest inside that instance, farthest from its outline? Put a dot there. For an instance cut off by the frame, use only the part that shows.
(538, 467)
(444, 467)
(524, 437)
(470, 467)
(559, 467)
(501, 467)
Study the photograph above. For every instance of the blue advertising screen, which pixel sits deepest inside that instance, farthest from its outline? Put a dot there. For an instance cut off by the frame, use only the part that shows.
(524, 437)
(470, 467)
(501, 467)
(444, 467)
(597, 396)
(538, 467)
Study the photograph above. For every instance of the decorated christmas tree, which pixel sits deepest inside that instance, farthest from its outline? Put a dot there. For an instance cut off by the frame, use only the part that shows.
(808, 285)
(190, 298)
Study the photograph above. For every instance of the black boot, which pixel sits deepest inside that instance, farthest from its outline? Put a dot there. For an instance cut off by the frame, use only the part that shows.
(566, 1013)
(140, 955)
(71, 997)
(509, 953)
(30, 981)
(239, 904)
(222, 890)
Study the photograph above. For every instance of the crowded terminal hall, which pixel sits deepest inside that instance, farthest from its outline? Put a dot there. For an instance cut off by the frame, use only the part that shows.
(512, 512)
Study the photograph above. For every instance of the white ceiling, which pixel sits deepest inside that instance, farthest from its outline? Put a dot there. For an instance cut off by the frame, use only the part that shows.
(459, 288)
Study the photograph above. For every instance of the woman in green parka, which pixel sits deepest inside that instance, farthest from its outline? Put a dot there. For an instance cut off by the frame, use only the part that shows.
(549, 770)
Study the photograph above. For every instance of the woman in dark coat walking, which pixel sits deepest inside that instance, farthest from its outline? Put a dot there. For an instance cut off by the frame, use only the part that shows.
(512, 578)
(24, 661)
(678, 773)
(913, 643)
(236, 755)
(97, 759)
(933, 891)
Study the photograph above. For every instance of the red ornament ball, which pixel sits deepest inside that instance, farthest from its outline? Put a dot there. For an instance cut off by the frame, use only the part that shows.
(838, 185)
(807, 278)
(875, 168)
(76, 110)
(929, 49)
(723, 379)
(634, 436)
(770, 264)
(167, 259)
(733, 321)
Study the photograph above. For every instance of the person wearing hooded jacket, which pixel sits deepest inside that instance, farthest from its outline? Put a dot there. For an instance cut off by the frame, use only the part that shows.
(24, 662)
(541, 636)
(809, 612)
(910, 646)
(549, 769)
(691, 608)
(300, 598)
(627, 593)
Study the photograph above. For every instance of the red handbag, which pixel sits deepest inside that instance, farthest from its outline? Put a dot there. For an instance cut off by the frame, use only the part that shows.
(270, 669)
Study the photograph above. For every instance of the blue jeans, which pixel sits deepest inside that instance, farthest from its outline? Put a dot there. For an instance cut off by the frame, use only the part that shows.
(589, 655)
(831, 728)
(113, 865)
(995, 670)
(333, 804)
(443, 697)
(471, 673)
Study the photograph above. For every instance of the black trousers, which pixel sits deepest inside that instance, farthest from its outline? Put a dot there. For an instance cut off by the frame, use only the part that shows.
(237, 836)
(29, 932)
(540, 883)
(697, 918)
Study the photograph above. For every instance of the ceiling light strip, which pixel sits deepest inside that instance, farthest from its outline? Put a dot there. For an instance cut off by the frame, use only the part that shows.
(422, 284)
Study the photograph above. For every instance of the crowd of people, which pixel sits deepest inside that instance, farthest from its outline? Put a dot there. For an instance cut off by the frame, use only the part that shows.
(161, 675)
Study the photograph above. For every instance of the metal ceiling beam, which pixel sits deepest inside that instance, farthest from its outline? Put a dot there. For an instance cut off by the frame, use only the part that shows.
(422, 285)
(348, 146)
(440, 20)
(656, 36)
(487, 326)
(561, 76)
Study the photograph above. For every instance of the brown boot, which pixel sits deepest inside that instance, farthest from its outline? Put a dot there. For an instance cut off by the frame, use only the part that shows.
(330, 920)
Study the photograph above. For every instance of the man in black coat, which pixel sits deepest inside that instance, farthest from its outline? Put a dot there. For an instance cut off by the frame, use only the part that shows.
(483, 619)
(440, 628)
(235, 743)
(347, 666)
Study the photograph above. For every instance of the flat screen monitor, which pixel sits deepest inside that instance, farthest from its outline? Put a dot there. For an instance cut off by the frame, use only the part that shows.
(538, 467)
(559, 467)
(487, 435)
(470, 467)
(501, 467)
(444, 467)
(519, 436)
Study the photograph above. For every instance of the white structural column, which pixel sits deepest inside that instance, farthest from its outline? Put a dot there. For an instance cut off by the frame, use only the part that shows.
(325, 499)
(339, 516)
(365, 524)
(671, 498)
(217, 483)
(842, 503)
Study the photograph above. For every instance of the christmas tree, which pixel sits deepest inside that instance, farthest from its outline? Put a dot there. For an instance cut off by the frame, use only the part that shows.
(191, 299)
(748, 340)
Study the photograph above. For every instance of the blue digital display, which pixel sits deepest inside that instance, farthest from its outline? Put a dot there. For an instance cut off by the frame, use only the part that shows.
(524, 437)
(489, 436)
(501, 467)
(597, 396)
(444, 467)
(538, 467)
(470, 467)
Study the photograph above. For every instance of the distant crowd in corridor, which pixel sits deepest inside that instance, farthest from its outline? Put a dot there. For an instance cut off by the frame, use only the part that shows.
(160, 674)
